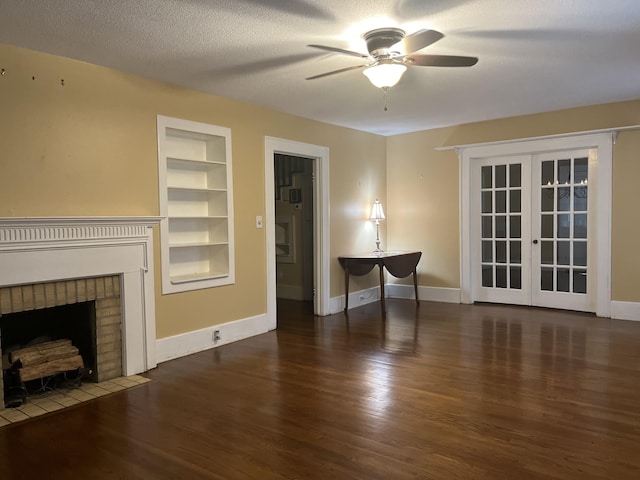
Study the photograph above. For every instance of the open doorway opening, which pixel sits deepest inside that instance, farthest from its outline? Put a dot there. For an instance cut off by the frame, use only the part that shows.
(293, 197)
(318, 156)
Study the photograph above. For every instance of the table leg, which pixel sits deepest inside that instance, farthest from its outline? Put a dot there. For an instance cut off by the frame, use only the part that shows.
(346, 289)
(415, 287)
(384, 311)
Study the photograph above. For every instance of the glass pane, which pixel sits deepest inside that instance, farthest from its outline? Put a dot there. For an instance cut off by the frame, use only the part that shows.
(547, 173)
(579, 281)
(516, 277)
(487, 276)
(580, 170)
(487, 251)
(514, 175)
(563, 280)
(501, 176)
(580, 225)
(546, 253)
(515, 201)
(501, 277)
(564, 255)
(580, 201)
(501, 226)
(564, 172)
(501, 201)
(547, 226)
(547, 202)
(487, 230)
(564, 226)
(580, 253)
(515, 252)
(501, 252)
(514, 226)
(564, 199)
(546, 279)
(486, 177)
(487, 205)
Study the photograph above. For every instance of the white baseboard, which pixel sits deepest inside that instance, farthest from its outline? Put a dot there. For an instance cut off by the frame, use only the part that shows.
(431, 294)
(625, 310)
(290, 292)
(356, 299)
(192, 342)
(370, 295)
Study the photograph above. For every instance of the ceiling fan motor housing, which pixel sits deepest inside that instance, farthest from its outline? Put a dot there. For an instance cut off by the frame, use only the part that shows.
(380, 40)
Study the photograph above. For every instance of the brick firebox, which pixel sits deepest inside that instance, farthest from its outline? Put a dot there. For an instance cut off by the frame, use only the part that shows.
(105, 291)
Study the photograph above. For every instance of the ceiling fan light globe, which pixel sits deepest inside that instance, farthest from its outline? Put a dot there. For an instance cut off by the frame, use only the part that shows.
(385, 75)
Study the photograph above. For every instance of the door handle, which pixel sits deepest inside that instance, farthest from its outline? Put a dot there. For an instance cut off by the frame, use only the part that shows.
(535, 242)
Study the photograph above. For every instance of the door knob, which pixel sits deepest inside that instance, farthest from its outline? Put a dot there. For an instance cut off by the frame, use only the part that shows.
(535, 242)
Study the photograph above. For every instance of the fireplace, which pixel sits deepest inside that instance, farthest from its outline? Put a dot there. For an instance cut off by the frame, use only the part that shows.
(49, 262)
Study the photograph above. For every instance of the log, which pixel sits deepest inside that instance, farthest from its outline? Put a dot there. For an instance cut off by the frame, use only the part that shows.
(36, 357)
(50, 368)
(6, 364)
(40, 346)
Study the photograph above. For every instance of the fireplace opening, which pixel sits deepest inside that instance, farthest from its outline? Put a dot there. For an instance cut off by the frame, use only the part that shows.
(48, 341)
(76, 322)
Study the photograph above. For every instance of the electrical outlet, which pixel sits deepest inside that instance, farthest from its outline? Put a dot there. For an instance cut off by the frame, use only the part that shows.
(216, 336)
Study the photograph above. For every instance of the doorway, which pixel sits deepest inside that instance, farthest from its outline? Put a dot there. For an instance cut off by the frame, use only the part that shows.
(535, 222)
(319, 157)
(293, 185)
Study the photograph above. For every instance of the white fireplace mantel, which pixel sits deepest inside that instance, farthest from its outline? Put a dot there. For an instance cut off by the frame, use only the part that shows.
(41, 249)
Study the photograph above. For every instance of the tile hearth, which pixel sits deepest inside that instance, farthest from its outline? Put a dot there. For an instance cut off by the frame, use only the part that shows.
(65, 397)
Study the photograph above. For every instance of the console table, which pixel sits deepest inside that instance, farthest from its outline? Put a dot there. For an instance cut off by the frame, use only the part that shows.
(398, 264)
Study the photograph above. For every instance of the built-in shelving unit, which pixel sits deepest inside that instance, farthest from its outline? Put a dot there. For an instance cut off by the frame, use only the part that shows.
(196, 203)
(285, 239)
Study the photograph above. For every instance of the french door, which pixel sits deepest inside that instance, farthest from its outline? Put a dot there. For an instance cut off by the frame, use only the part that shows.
(532, 227)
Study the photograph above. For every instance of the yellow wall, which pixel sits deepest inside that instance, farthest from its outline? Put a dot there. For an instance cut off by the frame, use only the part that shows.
(89, 148)
(423, 188)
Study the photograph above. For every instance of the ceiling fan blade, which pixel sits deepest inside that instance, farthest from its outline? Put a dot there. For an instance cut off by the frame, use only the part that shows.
(417, 41)
(440, 61)
(339, 50)
(336, 71)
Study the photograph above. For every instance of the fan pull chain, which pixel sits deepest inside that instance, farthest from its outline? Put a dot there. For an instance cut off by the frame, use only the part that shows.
(386, 89)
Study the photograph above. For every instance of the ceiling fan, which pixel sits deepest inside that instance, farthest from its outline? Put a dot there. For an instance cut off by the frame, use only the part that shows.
(391, 51)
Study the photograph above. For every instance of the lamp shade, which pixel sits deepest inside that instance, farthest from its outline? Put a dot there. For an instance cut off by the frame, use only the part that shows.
(385, 75)
(376, 211)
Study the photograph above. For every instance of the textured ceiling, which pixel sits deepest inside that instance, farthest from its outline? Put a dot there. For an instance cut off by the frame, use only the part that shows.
(535, 55)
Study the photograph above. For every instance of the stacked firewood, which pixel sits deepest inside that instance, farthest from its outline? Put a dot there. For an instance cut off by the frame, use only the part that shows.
(45, 359)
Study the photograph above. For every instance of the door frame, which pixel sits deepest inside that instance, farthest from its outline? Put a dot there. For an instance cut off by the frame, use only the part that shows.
(320, 157)
(602, 143)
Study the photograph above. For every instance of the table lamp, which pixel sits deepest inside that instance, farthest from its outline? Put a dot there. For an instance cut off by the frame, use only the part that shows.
(377, 214)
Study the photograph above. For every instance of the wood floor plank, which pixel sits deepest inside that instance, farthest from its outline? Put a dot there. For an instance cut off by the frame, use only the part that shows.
(443, 391)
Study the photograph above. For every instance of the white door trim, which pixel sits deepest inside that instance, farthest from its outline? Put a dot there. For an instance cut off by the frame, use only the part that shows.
(603, 143)
(320, 155)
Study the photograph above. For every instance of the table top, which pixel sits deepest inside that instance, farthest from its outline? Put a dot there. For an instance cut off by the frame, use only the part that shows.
(374, 256)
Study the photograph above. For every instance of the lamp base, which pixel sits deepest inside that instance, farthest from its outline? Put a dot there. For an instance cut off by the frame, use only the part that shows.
(378, 250)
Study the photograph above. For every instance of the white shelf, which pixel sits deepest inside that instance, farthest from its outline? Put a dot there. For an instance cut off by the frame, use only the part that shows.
(193, 160)
(196, 189)
(196, 244)
(196, 202)
(197, 277)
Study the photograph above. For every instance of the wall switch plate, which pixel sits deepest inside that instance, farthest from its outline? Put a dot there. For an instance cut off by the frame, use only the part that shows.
(259, 221)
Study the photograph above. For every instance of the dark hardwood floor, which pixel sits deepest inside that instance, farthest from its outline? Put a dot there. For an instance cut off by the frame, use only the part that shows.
(442, 392)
